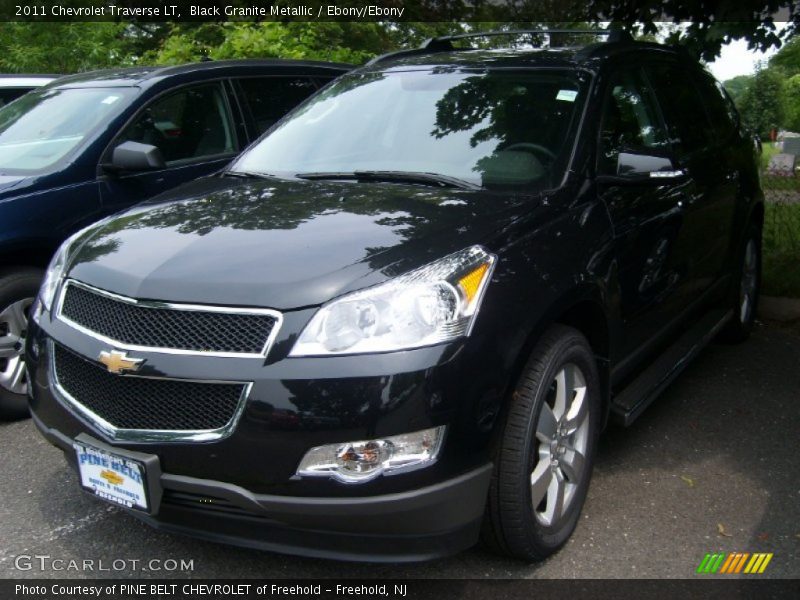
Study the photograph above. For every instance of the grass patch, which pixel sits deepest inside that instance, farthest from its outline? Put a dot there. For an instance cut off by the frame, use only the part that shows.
(768, 150)
(781, 250)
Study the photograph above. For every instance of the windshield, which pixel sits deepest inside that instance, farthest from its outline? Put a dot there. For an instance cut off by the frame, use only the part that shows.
(501, 129)
(42, 127)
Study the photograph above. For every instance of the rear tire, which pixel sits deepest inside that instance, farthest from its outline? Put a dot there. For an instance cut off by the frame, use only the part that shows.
(18, 289)
(544, 456)
(744, 296)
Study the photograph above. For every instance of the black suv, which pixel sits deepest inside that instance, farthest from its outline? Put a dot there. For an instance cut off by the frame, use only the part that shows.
(92, 144)
(403, 317)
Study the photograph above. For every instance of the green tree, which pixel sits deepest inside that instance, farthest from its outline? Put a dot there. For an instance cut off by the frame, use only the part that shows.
(707, 24)
(353, 42)
(791, 103)
(737, 86)
(788, 58)
(762, 103)
(74, 47)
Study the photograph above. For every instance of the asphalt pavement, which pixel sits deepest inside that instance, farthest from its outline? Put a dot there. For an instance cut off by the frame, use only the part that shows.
(712, 466)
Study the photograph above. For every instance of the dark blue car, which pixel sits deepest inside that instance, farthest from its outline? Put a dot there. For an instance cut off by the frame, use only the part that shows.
(89, 145)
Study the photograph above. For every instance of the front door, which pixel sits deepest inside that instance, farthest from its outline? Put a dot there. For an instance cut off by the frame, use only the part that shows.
(192, 127)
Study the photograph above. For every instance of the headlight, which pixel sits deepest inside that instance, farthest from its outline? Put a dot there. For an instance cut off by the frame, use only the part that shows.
(56, 270)
(358, 462)
(433, 304)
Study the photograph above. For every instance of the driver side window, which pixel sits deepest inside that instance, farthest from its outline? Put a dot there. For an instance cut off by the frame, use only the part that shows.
(630, 122)
(191, 123)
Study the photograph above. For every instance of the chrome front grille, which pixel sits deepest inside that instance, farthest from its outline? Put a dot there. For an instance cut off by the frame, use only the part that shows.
(178, 328)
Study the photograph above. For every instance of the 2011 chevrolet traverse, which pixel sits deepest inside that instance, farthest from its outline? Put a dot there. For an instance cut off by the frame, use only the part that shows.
(404, 315)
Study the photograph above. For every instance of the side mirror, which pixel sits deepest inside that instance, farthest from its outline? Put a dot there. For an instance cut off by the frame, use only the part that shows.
(641, 168)
(133, 156)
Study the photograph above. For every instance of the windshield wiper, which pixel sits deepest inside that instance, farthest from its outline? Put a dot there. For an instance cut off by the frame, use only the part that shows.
(248, 175)
(434, 179)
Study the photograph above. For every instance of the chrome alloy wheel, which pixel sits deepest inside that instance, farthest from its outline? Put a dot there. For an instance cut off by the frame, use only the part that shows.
(13, 327)
(563, 435)
(749, 284)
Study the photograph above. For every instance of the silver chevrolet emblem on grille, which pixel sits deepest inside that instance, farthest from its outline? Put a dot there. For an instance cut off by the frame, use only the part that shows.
(117, 362)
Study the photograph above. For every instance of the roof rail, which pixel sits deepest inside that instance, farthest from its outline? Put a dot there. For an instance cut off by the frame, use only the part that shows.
(445, 43)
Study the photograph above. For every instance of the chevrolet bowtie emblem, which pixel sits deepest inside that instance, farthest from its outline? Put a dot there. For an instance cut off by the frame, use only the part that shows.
(117, 362)
(111, 477)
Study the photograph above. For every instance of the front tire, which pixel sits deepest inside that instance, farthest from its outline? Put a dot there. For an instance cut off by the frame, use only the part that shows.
(18, 288)
(543, 459)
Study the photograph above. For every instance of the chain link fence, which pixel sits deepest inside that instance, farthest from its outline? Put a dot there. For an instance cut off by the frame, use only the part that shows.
(781, 246)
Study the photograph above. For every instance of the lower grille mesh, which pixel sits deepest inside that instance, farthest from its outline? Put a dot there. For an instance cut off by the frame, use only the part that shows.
(150, 404)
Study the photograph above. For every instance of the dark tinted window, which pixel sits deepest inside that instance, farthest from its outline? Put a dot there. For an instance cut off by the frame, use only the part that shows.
(10, 94)
(190, 123)
(684, 110)
(630, 121)
(269, 98)
(721, 114)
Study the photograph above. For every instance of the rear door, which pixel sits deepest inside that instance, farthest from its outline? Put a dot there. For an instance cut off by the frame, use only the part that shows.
(195, 131)
(705, 153)
(648, 215)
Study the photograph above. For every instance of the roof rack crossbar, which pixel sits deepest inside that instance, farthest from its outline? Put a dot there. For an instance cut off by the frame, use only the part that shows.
(445, 43)
(613, 34)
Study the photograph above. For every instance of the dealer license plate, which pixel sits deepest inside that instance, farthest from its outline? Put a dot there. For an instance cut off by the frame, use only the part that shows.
(115, 478)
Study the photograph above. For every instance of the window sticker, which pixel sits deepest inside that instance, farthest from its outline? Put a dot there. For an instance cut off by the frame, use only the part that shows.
(567, 95)
(109, 99)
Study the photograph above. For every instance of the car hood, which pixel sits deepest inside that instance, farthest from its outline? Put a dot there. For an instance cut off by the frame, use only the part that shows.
(282, 244)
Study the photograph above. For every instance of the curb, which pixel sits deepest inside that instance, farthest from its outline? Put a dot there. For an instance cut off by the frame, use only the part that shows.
(774, 308)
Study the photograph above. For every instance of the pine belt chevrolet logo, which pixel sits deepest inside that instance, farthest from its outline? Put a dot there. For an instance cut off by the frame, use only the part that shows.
(117, 362)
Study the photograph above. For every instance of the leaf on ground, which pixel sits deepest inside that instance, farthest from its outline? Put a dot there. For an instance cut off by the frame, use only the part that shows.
(688, 480)
(721, 530)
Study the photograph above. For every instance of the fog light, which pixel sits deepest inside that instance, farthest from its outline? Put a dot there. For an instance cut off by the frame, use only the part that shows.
(357, 462)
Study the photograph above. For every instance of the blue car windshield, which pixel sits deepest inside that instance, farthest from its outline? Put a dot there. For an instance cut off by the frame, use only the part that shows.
(43, 127)
(508, 129)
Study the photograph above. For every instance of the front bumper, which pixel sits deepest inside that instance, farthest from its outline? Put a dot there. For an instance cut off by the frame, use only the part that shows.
(243, 488)
(419, 524)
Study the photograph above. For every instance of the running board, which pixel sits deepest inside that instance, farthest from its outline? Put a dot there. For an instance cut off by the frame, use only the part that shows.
(631, 401)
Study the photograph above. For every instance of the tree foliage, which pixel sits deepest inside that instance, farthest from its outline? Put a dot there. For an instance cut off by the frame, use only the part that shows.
(62, 47)
(771, 98)
(737, 86)
(334, 41)
(706, 25)
(762, 102)
(788, 58)
(791, 103)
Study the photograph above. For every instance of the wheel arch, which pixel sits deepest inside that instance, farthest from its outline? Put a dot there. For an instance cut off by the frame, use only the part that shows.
(585, 310)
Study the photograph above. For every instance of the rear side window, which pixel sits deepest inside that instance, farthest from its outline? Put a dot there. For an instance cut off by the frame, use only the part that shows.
(269, 98)
(10, 94)
(630, 121)
(684, 109)
(190, 124)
